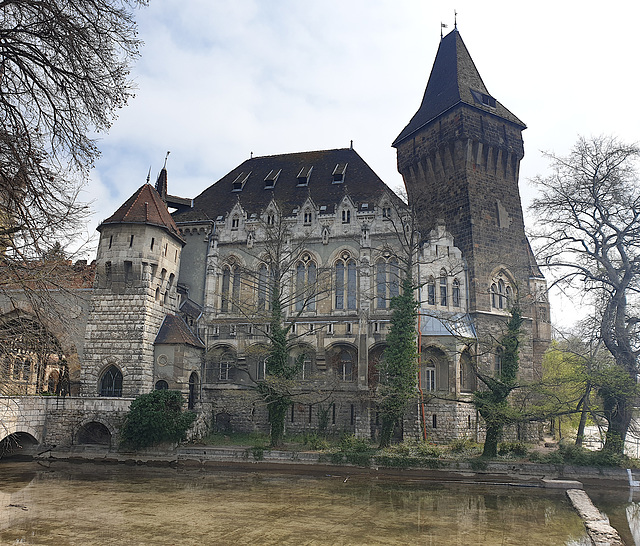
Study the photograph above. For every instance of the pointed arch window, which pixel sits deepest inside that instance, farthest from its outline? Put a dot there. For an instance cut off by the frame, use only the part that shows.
(263, 279)
(345, 283)
(111, 382)
(230, 288)
(443, 288)
(431, 291)
(346, 216)
(194, 390)
(501, 294)
(306, 273)
(387, 281)
(455, 293)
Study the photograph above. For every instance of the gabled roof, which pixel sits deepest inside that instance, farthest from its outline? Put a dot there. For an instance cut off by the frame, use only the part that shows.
(454, 79)
(144, 207)
(174, 331)
(289, 179)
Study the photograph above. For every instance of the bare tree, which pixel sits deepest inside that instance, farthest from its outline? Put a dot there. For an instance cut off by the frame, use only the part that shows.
(275, 295)
(63, 75)
(589, 235)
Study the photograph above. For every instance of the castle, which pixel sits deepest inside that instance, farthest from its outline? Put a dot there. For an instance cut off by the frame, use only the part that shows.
(180, 300)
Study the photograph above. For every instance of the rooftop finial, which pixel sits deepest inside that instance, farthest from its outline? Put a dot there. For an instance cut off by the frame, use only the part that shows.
(251, 156)
(351, 145)
(165, 160)
(455, 19)
(149, 175)
(442, 25)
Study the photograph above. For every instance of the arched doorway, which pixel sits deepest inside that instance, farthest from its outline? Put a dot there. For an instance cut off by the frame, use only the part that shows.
(18, 444)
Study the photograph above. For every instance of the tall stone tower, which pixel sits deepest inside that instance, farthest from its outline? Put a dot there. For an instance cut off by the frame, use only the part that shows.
(135, 288)
(459, 157)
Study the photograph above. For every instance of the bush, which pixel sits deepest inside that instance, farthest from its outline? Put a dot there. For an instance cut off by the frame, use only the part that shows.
(313, 441)
(512, 449)
(156, 418)
(579, 456)
(464, 445)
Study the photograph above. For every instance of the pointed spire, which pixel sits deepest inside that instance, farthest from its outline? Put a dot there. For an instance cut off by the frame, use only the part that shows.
(454, 79)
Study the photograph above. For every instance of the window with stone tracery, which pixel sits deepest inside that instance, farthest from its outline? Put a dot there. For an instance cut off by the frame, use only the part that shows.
(501, 292)
(387, 281)
(230, 288)
(345, 282)
(305, 284)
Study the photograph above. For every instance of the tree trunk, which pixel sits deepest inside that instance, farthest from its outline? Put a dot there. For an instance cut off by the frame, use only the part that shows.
(494, 432)
(386, 431)
(277, 414)
(583, 418)
(618, 419)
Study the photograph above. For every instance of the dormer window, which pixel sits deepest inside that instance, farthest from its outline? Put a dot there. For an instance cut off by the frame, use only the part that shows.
(271, 179)
(307, 218)
(483, 98)
(338, 173)
(304, 175)
(240, 181)
(323, 209)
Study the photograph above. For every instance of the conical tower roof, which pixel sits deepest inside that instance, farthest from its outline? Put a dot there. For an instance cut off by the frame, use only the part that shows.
(454, 79)
(144, 207)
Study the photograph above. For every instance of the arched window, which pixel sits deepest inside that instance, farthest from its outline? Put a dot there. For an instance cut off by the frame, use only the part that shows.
(111, 382)
(387, 282)
(263, 276)
(345, 283)
(345, 366)
(428, 375)
(501, 293)
(230, 288)
(162, 385)
(305, 288)
(455, 293)
(194, 388)
(346, 216)
(431, 291)
(443, 288)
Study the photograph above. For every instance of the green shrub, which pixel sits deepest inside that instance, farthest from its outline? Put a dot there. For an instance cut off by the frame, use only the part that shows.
(313, 441)
(579, 456)
(512, 449)
(156, 418)
(464, 445)
(351, 443)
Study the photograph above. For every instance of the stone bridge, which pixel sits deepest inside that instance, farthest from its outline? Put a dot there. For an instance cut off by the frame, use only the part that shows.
(59, 421)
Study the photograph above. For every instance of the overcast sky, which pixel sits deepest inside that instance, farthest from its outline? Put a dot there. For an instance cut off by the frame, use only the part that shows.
(219, 79)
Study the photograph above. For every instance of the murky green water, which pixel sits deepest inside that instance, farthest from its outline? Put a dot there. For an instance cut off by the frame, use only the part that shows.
(114, 505)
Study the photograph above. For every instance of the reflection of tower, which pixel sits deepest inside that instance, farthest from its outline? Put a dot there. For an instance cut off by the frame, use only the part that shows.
(459, 157)
(137, 267)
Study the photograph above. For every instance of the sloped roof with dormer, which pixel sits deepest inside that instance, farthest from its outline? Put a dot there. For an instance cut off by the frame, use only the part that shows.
(144, 207)
(454, 80)
(174, 331)
(289, 179)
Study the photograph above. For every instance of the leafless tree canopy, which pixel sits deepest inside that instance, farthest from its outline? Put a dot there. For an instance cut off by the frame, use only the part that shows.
(589, 234)
(63, 74)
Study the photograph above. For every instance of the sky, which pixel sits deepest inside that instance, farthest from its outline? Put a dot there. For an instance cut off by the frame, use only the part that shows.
(218, 80)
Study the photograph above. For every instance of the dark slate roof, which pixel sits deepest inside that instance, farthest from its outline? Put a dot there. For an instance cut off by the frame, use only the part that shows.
(191, 309)
(454, 79)
(360, 183)
(144, 207)
(174, 331)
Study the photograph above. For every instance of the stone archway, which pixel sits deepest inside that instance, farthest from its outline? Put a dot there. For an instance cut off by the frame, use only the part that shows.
(93, 433)
(19, 444)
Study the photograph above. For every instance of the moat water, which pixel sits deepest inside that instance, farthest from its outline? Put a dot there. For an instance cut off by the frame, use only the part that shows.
(88, 504)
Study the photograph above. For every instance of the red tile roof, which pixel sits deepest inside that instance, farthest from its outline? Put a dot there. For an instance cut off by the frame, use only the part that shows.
(144, 207)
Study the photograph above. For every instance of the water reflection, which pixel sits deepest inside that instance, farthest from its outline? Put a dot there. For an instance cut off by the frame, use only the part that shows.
(88, 504)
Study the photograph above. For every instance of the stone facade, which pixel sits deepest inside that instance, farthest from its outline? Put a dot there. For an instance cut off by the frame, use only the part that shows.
(181, 301)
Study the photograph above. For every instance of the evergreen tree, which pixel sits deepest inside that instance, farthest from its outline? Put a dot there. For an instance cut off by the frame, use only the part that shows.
(399, 367)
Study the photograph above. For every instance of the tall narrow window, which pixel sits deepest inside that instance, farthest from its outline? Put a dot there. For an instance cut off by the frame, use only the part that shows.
(262, 287)
(340, 285)
(381, 284)
(455, 293)
(351, 285)
(230, 288)
(301, 274)
(346, 216)
(194, 390)
(443, 288)
(431, 291)
(226, 279)
(394, 278)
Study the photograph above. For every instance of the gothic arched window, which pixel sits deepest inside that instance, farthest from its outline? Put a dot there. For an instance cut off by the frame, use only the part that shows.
(230, 288)
(455, 293)
(345, 283)
(263, 276)
(431, 291)
(305, 284)
(111, 382)
(387, 281)
(443, 288)
(501, 293)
